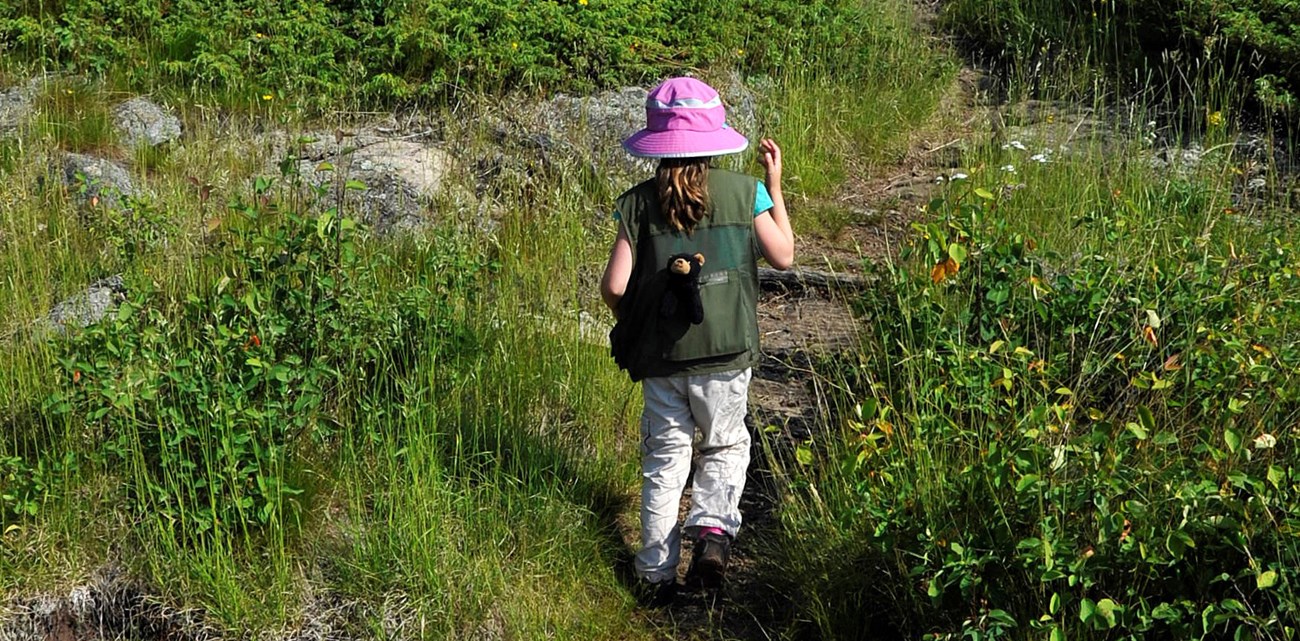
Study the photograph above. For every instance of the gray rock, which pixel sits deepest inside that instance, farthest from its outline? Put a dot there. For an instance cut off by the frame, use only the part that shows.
(1191, 156)
(741, 99)
(401, 177)
(89, 178)
(88, 307)
(591, 130)
(16, 103)
(140, 121)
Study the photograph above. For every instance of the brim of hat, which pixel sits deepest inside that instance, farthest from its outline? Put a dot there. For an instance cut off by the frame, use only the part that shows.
(685, 144)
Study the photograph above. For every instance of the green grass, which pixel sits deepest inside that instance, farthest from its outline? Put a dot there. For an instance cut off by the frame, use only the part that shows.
(1049, 440)
(422, 441)
(484, 472)
(75, 116)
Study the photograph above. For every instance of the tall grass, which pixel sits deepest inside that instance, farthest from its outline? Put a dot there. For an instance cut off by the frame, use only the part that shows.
(443, 490)
(1063, 420)
(289, 423)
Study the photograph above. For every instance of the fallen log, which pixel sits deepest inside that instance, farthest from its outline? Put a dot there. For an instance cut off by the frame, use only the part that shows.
(806, 279)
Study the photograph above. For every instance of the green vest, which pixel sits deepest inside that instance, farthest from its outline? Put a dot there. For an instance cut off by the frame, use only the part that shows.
(648, 345)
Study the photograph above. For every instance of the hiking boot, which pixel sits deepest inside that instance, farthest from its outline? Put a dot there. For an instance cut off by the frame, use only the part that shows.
(709, 560)
(656, 595)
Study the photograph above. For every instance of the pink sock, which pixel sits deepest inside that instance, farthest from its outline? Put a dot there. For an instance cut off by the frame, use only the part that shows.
(712, 530)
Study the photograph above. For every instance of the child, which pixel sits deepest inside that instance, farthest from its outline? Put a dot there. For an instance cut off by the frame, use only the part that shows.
(693, 375)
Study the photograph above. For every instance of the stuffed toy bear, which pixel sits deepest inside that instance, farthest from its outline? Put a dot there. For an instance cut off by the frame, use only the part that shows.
(684, 287)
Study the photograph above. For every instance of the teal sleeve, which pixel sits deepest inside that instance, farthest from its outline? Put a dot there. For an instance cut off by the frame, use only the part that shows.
(762, 199)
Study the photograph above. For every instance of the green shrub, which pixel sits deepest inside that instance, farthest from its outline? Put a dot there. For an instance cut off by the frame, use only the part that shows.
(214, 401)
(1251, 42)
(1050, 445)
(320, 53)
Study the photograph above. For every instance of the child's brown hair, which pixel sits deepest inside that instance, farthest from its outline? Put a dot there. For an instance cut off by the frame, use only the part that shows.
(682, 185)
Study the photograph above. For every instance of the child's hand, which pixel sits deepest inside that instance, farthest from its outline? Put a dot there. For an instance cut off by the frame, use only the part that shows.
(771, 159)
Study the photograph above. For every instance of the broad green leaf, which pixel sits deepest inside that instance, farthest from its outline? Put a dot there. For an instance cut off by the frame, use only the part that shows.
(983, 193)
(1144, 416)
(1054, 606)
(1178, 542)
(1137, 430)
(1232, 438)
(1153, 319)
(355, 185)
(1026, 482)
(803, 455)
(1056, 635)
(957, 253)
(1276, 476)
(1107, 609)
(323, 224)
(867, 409)
(1242, 634)
(1087, 609)
(1266, 579)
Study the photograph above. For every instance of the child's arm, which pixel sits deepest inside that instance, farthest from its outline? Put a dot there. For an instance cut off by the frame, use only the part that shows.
(617, 271)
(775, 237)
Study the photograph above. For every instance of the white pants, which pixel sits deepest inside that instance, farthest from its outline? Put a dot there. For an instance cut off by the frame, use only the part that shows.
(716, 404)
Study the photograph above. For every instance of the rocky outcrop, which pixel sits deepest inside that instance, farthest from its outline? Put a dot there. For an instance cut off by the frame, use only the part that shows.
(140, 121)
(591, 130)
(588, 131)
(388, 181)
(93, 180)
(89, 306)
(16, 103)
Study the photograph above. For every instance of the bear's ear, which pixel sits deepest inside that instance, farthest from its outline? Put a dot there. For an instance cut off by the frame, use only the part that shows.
(699, 258)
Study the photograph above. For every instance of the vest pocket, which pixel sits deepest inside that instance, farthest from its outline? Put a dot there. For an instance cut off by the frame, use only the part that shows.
(727, 320)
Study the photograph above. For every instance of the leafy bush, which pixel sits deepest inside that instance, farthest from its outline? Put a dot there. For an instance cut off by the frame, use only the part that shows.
(1046, 445)
(317, 52)
(1251, 41)
(213, 401)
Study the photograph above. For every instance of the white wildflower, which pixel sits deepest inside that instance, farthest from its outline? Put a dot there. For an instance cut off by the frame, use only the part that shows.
(939, 179)
(1010, 169)
(1018, 145)
(959, 176)
(1265, 441)
(1039, 158)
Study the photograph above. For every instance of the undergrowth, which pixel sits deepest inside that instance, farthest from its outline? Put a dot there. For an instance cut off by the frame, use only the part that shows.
(1066, 421)
(328, 56)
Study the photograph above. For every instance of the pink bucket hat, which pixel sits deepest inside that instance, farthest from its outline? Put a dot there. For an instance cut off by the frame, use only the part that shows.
(684, 119)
